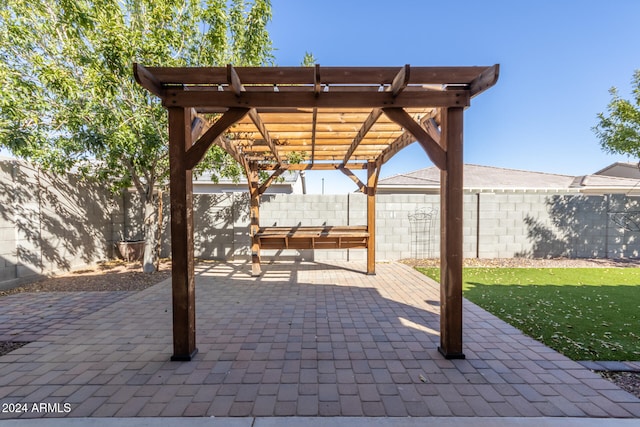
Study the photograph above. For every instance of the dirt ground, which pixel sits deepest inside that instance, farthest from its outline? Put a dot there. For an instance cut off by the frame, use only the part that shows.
(115, 275)
(120, 276)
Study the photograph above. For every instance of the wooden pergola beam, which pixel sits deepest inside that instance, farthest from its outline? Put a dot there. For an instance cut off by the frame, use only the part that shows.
(211, 98)
(267, 183)
(431, 147)
(254, 218)
(199, 149)
(237, 89)
(354, 178)
(182, 265)
(431, 126)
(314, 166)
(197, 126)
(399, 83)
(148, 80)
(314, 126)
(317, 82)
(366, 126)
(234, 80)
(257, 121)
(451, 236)
(484, 80)
(306, 75)
(231, 149)
(403, 141)
(373, 170)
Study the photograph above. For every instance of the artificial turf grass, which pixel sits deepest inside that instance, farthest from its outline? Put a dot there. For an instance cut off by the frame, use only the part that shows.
(584, 313)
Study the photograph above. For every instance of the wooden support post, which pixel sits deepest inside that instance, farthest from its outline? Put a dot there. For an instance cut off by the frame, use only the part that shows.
(451, 213)
(254, 213)
(182, 271)
(371, 217)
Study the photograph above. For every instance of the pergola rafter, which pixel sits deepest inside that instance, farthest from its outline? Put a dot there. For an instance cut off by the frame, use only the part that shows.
(332, 118)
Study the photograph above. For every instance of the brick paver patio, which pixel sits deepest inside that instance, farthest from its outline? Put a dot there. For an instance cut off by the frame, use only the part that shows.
(305, 339)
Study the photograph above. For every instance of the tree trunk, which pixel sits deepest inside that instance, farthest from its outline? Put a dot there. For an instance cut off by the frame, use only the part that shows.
(150, 231)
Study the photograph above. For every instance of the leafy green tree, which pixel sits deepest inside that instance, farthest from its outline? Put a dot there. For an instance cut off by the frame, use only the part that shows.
(619, 130)
(68, 98)
(308, 60)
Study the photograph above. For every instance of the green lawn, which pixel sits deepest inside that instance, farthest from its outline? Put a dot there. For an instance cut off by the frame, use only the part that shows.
(584, 313)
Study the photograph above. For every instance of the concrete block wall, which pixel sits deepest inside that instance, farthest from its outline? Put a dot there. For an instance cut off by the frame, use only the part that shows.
(496, 225)
(8, 237)
(397, 235)
(50, 223)
(623, 226)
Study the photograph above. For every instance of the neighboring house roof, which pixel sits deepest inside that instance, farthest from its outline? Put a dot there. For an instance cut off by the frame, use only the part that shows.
(291, 182)
(609, 184)
(488, 178)
(621, 170)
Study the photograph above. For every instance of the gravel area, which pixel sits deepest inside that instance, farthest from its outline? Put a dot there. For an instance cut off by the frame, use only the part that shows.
(9, 346)
(109, 276)
(629, 381)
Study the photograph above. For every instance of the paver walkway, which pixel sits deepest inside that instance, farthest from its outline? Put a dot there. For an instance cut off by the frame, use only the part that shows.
(305, 339)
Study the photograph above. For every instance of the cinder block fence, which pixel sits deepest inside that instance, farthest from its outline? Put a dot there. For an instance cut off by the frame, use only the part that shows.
(56, 223)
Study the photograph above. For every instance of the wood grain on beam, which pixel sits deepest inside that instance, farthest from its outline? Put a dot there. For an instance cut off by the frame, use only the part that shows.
(197, 126)
(231, 149)
(431, 126)
(366, 126)
(182, 266)
(354, 178)
(372, 173)
(485, 80)
(254, 214)
(314, 125)
(257, 121)
(400, 81)
(267, 183)
(399, 143)
(199, 149)
(451, 236)
(305, 75)
(234, 80)
(317, 86)
(314, 166)
(212, 98)
(148, 80)
(432, 148)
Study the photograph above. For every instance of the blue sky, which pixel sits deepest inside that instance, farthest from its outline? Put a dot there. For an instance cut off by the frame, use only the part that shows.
(557, 59)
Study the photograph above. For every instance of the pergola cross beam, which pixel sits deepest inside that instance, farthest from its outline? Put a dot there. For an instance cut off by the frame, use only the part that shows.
(361, 186)
(255, 118)
(399, 83)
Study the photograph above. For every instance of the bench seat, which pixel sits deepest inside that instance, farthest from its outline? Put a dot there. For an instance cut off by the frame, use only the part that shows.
(323, 237)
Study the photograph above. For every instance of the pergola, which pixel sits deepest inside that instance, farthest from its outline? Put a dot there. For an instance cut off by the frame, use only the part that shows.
(277, 119)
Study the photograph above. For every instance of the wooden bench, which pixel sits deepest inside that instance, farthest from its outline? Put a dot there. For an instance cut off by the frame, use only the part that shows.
(323, 237)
